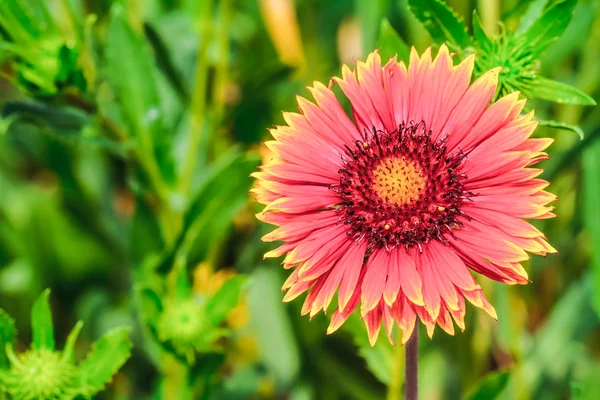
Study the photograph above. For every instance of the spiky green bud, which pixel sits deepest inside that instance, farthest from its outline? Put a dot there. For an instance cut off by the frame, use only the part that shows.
(184, 326)
(40, 374)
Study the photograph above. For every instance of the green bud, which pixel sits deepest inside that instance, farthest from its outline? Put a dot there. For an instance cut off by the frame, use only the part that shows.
(40, 374)
(185, 327)
(517, 58)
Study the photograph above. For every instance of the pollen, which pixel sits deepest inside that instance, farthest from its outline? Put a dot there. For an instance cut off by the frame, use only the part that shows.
(398, 180)
(400, 188)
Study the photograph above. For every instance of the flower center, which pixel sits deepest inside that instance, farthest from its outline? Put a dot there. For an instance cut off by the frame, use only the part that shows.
(398, 180)
(400, 188)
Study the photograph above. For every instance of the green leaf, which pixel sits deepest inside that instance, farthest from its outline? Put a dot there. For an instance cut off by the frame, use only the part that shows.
(146, 235)
(482, 38)
(550, 26)
(369, 14)
(133, 74)
(41, 323)
(391, 44)
(183, 289)
(218, 200)
(380, 357)
(561, 125)
(534, 10)
(441, 22)
(274, 328)
(558, 92)
(7, 336)
(150, 304)
(108, 354)
(591, 199)
(219, 305)
(489, 387)
(69, 350)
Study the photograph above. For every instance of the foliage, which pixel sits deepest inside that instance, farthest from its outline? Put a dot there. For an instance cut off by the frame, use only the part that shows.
(128, 131)
(42, 372)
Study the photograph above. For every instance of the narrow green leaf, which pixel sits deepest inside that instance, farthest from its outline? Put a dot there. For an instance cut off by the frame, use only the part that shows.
(217, 201)
(561, 125)
(7, 336)
(558, 92)
(380, 357)
(183, 289)
(490, 386)
(219, 305)
(108, 354)
(69, 350)
(150, 304)
(391, 44)
(591, 199)
(482, 38)
(534, 10)
(132, 72)
(41, 323)
(370, 13)
(547, 28)
(443, 24)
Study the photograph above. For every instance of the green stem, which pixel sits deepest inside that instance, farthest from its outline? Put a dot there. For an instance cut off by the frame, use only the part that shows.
(223, 64)
(198, 106)
(394, 390)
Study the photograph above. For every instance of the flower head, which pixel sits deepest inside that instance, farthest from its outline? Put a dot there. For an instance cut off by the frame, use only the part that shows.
(390, 209)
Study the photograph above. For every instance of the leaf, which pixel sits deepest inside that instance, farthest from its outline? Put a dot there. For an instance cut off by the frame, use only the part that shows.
(132, 72)
(482, 38)
(273, 327)
(7, 336)
(489, 387)
(219, 305)
(150, 304)
(69, 350)
(550, 26)
(219, 199)
(441, 22)
(561, 125)
(183, 289)
(558, 92)
(391, 44)
(41, 323)
(369, 14)
(534, 10)
(146, 235)
(108, 354)
(561, 334)
(380, 357)
(591, 199)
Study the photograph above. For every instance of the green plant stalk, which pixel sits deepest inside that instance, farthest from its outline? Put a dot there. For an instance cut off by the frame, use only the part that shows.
(222, 67)
(198, 106)
(176, 380)
(394, 390)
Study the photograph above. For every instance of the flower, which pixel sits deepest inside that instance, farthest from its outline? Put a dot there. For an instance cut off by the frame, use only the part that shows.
(392, 208)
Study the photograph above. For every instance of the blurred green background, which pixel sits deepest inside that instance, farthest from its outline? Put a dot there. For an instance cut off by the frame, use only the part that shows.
(129, 130)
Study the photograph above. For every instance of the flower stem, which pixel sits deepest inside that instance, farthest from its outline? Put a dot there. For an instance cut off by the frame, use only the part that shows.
(412, 366)
(198, 106)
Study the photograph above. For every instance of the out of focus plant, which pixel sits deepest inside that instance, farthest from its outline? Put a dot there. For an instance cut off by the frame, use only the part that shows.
(44, 60)
(518, 53)
(42, 372)
(187, 322)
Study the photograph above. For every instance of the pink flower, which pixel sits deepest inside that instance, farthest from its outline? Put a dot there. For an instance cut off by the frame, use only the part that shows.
(391, 208)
